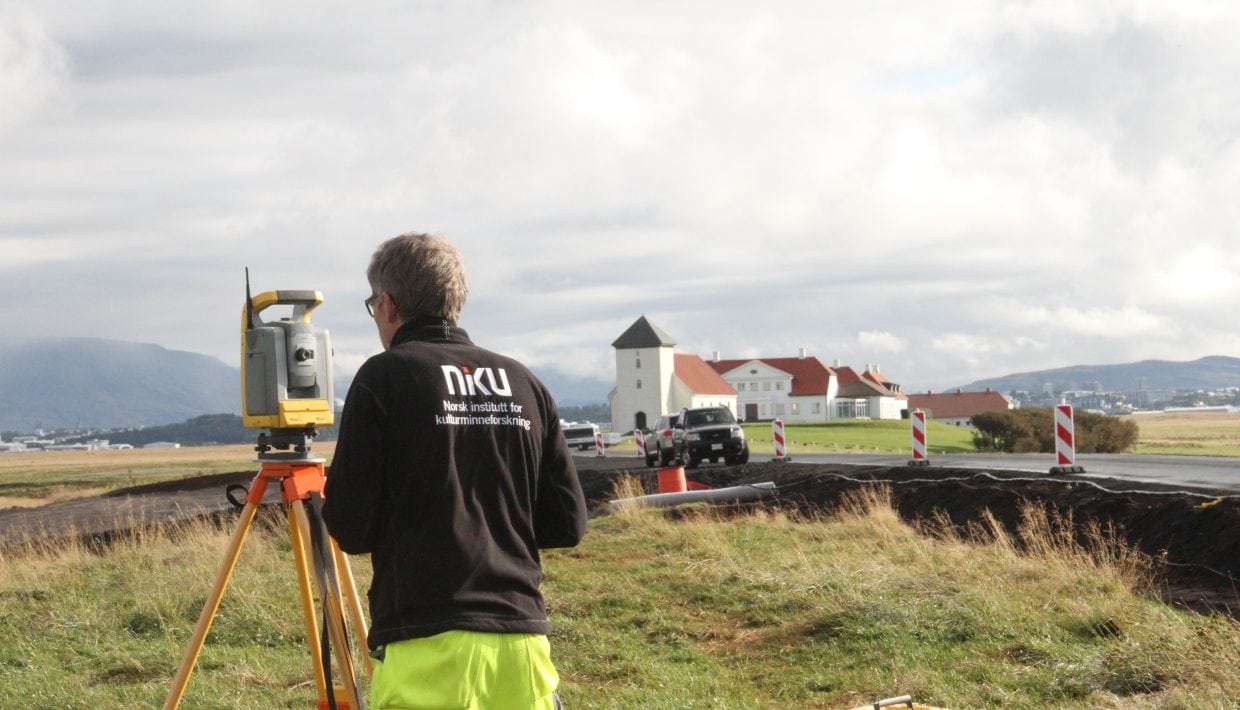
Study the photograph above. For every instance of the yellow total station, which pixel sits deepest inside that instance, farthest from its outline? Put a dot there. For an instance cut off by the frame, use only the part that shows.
(286, 364)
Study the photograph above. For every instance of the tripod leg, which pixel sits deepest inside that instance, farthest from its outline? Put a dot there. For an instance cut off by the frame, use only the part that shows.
(181, 680)
(351, 598)
(301, 559)
(333, 617)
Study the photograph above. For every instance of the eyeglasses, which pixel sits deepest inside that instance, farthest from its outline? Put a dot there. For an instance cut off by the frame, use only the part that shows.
(370, 303)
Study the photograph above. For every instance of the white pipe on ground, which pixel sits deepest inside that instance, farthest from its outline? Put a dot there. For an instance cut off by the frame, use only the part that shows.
(732, 494)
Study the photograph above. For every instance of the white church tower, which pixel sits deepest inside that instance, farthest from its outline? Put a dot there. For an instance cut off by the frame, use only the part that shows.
(645, 363)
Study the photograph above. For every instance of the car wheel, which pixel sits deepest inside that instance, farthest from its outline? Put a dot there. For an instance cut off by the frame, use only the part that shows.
(664, 458)
(651, 460)
(693, 462)
(744, 456)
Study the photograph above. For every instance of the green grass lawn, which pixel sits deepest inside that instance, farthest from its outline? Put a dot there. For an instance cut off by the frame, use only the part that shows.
(655, 610)
(875, 436)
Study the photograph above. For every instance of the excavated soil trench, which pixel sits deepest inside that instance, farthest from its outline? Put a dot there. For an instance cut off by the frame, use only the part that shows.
(1193, 537)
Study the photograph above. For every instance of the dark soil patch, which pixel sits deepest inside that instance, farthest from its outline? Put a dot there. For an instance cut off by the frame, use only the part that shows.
(1192, 537)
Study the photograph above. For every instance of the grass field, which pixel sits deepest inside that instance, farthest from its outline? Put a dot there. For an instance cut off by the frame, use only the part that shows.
(1192, 434)
(38, 477)
(649, 611)
(659, 612)
(858, 437)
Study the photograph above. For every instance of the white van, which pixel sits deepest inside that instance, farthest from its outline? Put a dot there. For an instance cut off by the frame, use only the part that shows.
(580, 435)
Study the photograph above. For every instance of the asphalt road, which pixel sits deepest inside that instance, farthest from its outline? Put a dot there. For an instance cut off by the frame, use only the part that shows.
(1192, 472)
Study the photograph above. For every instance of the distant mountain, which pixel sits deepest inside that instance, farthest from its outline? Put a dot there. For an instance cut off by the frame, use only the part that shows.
(92, 382)
(571, 390)
(96, 383)
(1213, 372)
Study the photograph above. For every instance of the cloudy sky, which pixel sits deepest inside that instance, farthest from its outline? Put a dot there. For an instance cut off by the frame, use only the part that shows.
(953, 190)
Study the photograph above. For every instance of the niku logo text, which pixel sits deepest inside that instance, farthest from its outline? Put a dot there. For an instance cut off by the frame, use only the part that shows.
(474, 382)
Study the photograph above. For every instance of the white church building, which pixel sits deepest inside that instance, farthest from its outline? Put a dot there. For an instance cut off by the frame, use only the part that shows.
(652, 380)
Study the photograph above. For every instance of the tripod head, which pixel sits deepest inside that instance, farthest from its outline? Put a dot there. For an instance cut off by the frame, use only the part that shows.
(286, 372)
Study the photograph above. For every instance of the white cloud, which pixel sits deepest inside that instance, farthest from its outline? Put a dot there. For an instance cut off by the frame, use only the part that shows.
(33, 70)
(1002, 186)
(880, 342)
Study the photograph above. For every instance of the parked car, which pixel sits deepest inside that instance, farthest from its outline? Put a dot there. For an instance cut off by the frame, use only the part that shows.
(709, 433)
(660, 441)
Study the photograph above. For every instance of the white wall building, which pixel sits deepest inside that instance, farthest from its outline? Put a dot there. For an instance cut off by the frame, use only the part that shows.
(652, 379)
(800, 388)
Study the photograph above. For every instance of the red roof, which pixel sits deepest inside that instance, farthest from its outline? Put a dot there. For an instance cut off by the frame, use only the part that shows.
(876, 376)
(854, 385)
(809, 376)
(957, 405)
(699, 377)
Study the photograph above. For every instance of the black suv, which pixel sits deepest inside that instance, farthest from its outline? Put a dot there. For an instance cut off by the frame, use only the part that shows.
(710, 433)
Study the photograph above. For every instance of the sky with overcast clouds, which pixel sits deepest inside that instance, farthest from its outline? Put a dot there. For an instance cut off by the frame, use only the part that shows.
(953, 190)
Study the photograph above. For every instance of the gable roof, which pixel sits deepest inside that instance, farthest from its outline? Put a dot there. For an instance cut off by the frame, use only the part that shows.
(958, 404)
(877, 376)
(642, 334)
(810, 377)
(854, 385)
(699, 377)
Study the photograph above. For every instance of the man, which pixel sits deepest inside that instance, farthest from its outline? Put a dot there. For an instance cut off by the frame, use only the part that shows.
(452, 472)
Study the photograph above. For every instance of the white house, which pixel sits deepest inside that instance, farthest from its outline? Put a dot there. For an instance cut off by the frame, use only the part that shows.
(652, 379)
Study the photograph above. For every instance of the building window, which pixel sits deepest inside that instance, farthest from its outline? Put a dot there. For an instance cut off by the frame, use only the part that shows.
(639, 363)
(796, 408)
(779, 387)
(817, 407)
(766, 386)
(764, 411)
(779, 410)
(639, 384)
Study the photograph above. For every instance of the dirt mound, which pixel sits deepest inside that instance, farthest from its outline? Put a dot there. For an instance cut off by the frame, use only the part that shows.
(1193, 537)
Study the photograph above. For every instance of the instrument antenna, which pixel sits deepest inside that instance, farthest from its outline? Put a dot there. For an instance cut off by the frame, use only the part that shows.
(249, 302)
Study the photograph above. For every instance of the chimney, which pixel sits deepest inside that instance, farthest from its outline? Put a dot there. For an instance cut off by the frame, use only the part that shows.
(716, 356)
(876, 367)
(801, 353)
(835, 363)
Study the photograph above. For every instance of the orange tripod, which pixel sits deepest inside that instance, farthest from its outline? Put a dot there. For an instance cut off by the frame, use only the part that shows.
(300, 478)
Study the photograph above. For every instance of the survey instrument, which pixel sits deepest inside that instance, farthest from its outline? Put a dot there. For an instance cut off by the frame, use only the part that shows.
(286, 390)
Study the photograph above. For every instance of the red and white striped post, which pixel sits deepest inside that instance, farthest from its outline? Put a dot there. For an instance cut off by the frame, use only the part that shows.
(917, 419)
(1065, 441)
(641, 443)
(598, 445)
(777, 435)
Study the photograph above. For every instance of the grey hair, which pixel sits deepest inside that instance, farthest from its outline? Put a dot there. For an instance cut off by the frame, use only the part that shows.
(423, 273)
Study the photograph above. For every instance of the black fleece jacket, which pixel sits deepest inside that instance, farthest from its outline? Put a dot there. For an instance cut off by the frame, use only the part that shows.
(452, 471)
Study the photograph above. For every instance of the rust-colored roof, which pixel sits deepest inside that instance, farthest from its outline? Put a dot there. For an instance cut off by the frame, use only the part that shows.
(876, 376)
(956, 405)
(854, 385)
(810, 377)
(700, 377)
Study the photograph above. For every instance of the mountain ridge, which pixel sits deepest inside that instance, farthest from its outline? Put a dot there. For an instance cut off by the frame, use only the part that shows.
(1209, 372)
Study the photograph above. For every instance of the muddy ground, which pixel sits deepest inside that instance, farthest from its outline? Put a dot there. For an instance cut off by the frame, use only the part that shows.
(1192, 536)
